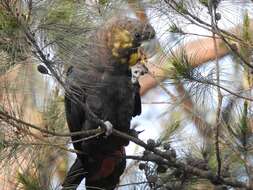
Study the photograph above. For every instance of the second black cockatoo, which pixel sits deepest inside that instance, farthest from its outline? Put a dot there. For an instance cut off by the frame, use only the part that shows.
(103, 82)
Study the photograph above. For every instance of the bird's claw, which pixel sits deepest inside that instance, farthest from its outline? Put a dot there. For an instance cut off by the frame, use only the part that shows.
(109, 128)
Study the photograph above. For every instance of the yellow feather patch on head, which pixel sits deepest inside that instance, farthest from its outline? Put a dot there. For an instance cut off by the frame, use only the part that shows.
(121, 38)
(127, 45)
(116, 45)
(115, 52)
(133, 59)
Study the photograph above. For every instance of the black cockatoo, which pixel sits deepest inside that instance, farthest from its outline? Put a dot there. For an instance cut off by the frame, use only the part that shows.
(103, 82)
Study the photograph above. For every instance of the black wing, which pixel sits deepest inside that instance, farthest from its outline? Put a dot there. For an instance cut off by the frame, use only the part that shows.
(137, 99)
(75, 113)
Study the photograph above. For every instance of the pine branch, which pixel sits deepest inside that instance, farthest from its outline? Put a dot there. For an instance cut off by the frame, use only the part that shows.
(158, 155)
(4, 116)
(221, 33)
(214, 21)
(162, 157)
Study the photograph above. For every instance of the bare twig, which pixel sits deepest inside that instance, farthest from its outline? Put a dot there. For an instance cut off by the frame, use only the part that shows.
(10, 119)
(212, 12)
(221, 33)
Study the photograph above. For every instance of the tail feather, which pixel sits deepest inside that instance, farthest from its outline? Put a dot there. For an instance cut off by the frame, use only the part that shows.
(108, 182)
(101, 172)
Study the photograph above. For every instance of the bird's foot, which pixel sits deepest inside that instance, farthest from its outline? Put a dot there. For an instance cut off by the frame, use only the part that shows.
(109, 128)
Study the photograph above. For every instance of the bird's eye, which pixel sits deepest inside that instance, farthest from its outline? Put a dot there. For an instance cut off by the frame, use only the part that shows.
(137, 35)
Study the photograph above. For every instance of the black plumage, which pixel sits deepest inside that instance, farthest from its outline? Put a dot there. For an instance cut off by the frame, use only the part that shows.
(105, 85)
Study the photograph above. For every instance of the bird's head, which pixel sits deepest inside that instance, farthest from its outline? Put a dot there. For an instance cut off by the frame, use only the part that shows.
(124, 38)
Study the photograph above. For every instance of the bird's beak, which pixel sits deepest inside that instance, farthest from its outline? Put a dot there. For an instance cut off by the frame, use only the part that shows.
(149, 47)
(147, 50)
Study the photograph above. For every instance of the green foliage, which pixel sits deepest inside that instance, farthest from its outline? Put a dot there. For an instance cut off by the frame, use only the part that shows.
(246, 48)
(65, 24)
(212, 161)
(12, 39)
(8, 24)
(246, 26)
(246, 36)
(61, 11)
(204, 2)
(175, 29)
(182, 67)
(103, 2)
(170, 130)
(2, 143)
(181, 7)
(244, 131)
(29, 181)
(4, 63)
(54, 116)
(243, 123)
